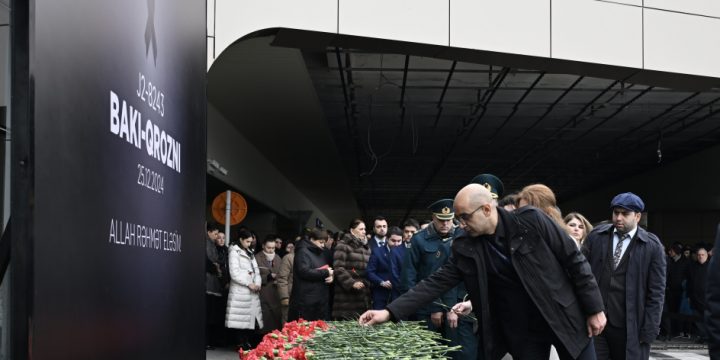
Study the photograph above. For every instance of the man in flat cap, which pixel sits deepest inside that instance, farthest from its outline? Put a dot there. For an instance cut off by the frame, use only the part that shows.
(629, 265)
(530, 285)
(429, 250)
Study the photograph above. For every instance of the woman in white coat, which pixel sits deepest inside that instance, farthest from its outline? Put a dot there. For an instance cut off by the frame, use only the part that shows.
(243, 306)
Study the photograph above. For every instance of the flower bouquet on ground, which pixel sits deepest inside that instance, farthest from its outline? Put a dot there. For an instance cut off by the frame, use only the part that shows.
(318, 340)
(288, 343)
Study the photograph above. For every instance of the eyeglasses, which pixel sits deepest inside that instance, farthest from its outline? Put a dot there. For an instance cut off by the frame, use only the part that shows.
(465, 217)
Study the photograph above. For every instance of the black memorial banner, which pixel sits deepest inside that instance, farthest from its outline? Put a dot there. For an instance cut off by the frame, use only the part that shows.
(117, 145)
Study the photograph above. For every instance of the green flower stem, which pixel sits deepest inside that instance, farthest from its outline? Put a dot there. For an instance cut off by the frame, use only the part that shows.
(448, 308)
(404, 340)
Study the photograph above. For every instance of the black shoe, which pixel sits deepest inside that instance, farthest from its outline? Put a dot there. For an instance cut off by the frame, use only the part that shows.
(209, 347)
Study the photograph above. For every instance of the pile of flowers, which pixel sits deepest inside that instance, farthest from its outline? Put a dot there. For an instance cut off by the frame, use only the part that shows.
(286, 344)
(318, 340)
(391, 341)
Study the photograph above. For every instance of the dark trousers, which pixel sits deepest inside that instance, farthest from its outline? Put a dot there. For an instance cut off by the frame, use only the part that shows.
(700, 329)
(246, 339)
(214, 320)
(611, 343)
(670, 323)
(382, 296)
(463, 336)
(538, 348)
(309, 312)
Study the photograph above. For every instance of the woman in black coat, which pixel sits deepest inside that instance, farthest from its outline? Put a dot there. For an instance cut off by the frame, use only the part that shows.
(312, 277)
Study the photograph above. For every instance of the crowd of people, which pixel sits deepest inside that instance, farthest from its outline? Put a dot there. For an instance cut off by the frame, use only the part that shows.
(536, 280)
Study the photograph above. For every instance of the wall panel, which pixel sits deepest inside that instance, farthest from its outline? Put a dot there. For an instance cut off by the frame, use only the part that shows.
(513, 26)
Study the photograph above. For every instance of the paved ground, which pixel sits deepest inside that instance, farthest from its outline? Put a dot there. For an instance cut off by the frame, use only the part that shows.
(683, 349)
(674, 350)
(680, 354)
(221, 354)
(668, 354)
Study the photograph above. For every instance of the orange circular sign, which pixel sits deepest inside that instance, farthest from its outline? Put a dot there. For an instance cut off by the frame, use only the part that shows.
(238, 208)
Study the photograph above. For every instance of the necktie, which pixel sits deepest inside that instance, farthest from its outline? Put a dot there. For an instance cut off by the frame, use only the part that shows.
(382, 244)
(618, 250)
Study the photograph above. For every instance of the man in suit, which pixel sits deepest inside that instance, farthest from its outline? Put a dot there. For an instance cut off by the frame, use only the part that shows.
(629, 265)
(383, 270)
(410, 227)
(379, 238)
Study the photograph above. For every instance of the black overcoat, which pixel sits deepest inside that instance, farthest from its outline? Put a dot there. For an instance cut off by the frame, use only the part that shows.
(644, 282)
(310, 294)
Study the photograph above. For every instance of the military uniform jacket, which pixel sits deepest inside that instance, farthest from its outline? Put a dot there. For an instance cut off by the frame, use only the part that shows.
(426, 255)
(555, 274)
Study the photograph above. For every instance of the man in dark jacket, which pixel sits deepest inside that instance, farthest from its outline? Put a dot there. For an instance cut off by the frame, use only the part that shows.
(380, 229)
(383, 270)
(311, 279)
(213, 287)
(629, 264)
(528, 282)
(677, 272)
(697, 277)
(429, 250)
(712, 302)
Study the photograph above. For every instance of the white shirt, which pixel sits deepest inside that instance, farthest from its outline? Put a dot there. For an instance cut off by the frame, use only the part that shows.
(626, 242)
(378, 240)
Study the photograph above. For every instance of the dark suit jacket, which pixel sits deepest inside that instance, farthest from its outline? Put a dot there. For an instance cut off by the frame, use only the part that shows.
(384, 264)
(550, 266)
(645, 282)
(372, 243)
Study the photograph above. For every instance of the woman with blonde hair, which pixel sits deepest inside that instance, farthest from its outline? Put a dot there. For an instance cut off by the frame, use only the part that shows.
(543, 198)
(579, 227)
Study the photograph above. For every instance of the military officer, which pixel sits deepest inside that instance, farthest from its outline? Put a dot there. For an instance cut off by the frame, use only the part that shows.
(492, 183)
(430, 249)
